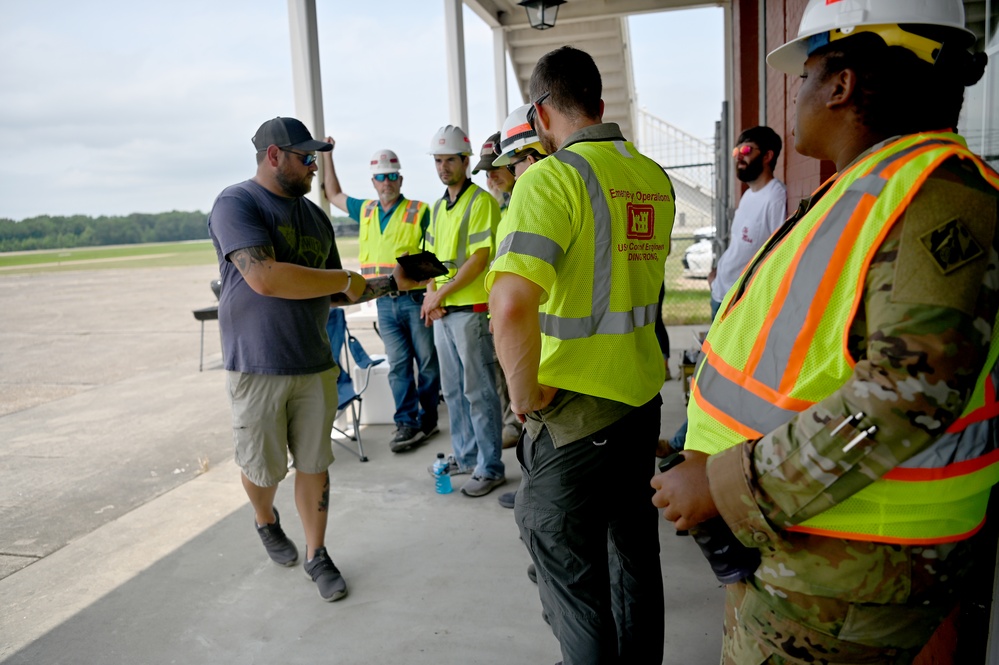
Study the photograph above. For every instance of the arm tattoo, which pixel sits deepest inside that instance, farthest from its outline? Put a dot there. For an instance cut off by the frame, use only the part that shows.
(376, 288)
(245, 259)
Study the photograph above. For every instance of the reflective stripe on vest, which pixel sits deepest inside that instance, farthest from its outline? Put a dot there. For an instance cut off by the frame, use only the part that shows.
(793, 303)
(410, 216)
(463, 237)
(601, 321)
(378, 249)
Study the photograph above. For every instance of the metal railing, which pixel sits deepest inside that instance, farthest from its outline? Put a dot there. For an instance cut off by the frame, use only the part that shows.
(691, 165)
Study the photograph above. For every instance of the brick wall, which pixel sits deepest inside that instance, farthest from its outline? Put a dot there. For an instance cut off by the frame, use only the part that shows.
(802, 175)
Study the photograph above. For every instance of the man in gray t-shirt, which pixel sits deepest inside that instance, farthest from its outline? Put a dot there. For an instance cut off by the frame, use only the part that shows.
(279, 266)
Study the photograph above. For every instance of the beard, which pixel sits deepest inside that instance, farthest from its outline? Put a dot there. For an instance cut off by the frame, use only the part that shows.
(751, 171)
(293, 186)
(452, 178)
(547, 140)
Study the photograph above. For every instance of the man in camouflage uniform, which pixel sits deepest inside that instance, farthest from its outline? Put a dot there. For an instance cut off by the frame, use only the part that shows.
(917, 345)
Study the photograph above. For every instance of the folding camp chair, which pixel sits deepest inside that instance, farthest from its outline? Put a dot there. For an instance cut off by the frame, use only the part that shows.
(349, 396)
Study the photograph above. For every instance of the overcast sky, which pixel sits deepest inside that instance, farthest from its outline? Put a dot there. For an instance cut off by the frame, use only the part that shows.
(112, 107)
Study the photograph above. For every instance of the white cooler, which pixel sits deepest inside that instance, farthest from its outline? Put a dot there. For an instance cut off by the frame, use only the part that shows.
(377, 405)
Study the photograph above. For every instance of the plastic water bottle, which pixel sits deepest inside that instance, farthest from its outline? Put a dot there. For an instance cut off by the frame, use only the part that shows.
(442, 475)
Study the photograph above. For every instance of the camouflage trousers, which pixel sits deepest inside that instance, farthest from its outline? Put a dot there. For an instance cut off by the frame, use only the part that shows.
(778, 627)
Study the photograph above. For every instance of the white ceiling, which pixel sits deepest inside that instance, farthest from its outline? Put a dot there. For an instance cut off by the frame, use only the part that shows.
(598, 27)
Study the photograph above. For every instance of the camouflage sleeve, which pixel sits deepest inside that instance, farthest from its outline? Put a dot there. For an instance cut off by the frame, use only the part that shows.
(920, 338)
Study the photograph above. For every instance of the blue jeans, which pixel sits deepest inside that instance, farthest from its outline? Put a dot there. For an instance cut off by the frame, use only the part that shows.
(468, 376)
(407, 338)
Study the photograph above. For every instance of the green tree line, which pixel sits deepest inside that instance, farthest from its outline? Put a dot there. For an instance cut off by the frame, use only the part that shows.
(45, 232)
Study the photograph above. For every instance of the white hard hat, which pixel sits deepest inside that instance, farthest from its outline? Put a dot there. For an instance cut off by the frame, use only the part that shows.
(450, 140)
(826, 21)
(385, 161)
(517, 136)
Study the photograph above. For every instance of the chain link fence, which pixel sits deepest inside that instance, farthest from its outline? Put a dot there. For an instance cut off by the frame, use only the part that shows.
(690, 163)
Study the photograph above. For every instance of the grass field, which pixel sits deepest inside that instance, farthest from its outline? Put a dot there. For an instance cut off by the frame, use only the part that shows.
(153, 255)
(686, 299)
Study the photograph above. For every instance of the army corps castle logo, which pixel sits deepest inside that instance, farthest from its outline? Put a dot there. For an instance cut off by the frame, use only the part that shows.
(641, 221)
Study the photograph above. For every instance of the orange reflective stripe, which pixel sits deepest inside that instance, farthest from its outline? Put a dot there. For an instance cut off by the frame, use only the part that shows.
(411, 212)
(987, 411)
(890, 540)
(894, 167)
(519, 129)
(813, 287)
(760, 345)
(799, 352)
(377, 268)
(748, 383)
(963, 468)
(722, 417)
(801, 298)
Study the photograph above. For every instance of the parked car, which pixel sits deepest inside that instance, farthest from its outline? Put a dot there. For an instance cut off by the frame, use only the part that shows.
(700, 256)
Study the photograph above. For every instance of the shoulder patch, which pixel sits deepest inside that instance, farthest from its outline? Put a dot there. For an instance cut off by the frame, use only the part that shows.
(951, 245)
(946, 239)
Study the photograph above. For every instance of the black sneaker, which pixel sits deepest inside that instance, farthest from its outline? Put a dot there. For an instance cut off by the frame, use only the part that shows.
(279, 547)
(405, 438)
(507, 499)
(326, 576)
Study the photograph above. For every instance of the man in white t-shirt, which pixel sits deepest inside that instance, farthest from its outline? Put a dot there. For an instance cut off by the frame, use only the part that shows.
(761, 211)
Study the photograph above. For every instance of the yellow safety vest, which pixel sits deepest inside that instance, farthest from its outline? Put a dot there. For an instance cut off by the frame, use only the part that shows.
(456, 234)
(598, 318)
(377, 250)
(782, 347)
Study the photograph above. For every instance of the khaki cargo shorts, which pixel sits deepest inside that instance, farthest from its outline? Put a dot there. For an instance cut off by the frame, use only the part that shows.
(274, 415)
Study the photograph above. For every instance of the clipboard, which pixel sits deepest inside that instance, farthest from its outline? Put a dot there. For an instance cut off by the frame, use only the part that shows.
(424, 265)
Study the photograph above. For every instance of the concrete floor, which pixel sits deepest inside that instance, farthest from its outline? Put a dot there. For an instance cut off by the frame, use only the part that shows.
(127, 537)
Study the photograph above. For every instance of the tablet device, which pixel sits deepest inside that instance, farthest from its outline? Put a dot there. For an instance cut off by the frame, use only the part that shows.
(422, 266)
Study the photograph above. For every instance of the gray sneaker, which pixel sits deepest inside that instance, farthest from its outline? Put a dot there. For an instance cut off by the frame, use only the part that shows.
(320, 569)
(479, 486)
(405, 438)
(279, 547)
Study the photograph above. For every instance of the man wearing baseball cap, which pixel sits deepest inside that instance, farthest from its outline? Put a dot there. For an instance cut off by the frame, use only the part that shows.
(279, 266)
(499, 181)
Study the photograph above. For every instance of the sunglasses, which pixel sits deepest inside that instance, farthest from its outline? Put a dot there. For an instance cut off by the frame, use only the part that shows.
(382, 177)
(744, 149)
(307, 160)
(512, 166)
(533, 111)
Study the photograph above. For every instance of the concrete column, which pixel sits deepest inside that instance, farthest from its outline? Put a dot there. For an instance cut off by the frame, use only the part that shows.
(454, 31)
(499, 73)
(307, 83)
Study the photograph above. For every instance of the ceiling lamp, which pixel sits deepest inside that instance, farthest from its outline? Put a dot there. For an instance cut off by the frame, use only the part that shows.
(541, 13)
